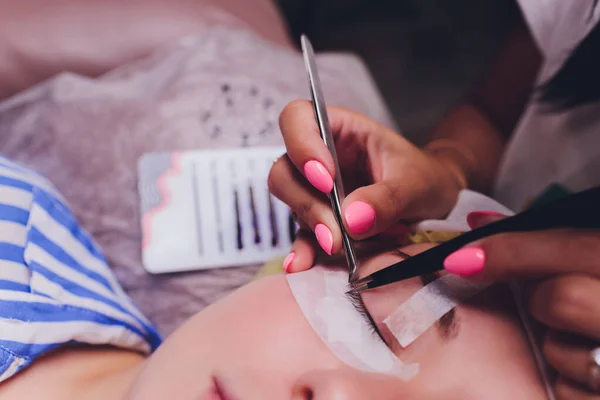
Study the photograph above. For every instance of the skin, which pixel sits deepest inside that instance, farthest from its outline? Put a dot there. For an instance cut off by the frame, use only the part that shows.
(564, 274)
(258, 345)
(400, 181)
(93, 37)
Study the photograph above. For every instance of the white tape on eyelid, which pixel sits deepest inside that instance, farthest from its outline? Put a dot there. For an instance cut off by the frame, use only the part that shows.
(417, 314)
(320, 293)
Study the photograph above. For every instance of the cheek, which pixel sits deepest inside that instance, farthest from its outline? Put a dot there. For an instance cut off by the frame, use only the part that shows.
(486, 352)
(259, 330)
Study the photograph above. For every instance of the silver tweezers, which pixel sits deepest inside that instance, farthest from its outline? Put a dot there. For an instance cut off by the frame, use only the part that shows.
(337, 194)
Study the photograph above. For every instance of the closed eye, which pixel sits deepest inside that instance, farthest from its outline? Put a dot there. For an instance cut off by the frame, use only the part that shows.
(446, 325)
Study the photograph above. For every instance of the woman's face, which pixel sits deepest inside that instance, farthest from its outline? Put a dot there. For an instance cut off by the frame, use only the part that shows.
(256, 344)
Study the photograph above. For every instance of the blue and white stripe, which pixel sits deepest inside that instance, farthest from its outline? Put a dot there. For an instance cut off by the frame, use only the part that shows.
(55, 285)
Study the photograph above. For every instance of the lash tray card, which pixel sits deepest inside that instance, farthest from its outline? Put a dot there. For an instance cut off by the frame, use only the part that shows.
(210, 209)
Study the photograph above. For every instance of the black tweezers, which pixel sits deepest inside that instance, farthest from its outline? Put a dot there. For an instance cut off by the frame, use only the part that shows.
(580, 210)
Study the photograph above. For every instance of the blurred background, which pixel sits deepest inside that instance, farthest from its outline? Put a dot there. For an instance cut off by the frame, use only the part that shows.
(424, 54)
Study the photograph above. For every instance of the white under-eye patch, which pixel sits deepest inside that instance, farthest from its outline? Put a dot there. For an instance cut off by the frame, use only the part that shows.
(424, 308)
(320, 293)
(417, 314)
(468, 201)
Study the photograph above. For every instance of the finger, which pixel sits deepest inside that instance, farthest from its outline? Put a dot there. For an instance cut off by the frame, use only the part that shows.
(374, 209)
(303, 253)
(306, 148)
(569, 355)
(310, 206)
(370, 210)
(567, 390)
(304, 144)
(405, 189)
(396, 231)
(568, 303)
(528, 255)
(477, 219)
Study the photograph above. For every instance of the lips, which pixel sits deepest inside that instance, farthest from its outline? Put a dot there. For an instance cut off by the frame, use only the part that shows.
(221, 391)
(215, 392)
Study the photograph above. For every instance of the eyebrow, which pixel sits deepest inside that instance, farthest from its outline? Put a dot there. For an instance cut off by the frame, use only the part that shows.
(447, 325)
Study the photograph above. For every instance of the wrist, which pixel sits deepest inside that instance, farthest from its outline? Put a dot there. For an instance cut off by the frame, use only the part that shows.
(459, 159)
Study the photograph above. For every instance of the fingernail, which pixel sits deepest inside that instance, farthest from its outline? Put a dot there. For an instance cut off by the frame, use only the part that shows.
(324, 237)
(288, 262)
(360, 217)
(465, 262)
(318, 176)
(476, 219)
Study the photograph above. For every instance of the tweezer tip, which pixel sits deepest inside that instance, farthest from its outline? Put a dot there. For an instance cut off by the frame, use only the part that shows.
(357, 289)
(365, 279)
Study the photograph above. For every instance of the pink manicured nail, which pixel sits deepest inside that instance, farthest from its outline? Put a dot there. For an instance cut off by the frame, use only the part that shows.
(465, 262)
(288, 262)
(477, 219)
(318, 176)
(324, 237)
(360, 217)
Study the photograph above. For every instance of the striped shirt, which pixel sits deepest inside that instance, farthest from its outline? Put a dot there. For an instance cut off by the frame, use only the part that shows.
(56, 287)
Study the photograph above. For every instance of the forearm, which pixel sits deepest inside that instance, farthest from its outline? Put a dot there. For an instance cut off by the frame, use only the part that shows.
(470, 145)
(471, 138)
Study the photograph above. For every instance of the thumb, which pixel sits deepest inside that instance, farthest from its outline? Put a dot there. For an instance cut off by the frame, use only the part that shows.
(477, 219)
(509, 256)
(372, 209)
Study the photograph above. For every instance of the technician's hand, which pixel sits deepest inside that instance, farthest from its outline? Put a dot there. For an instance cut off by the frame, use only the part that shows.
(386, 178)
(565, 296)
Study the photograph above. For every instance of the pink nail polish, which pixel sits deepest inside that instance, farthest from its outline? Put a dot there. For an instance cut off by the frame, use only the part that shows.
(325, 238)
(288, 262)
(360, 217)
(477, 219)
(318, 176)
(465, 262)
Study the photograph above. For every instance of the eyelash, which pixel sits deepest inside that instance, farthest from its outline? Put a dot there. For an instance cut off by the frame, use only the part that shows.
(359, 305)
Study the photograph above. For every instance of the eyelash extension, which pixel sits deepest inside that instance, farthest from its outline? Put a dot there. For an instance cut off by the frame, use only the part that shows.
(359, 305)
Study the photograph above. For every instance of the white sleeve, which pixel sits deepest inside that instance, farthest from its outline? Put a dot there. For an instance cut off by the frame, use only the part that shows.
(558, 26)
(539, 16)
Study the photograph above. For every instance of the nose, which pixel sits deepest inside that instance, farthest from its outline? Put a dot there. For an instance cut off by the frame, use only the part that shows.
(343, 385)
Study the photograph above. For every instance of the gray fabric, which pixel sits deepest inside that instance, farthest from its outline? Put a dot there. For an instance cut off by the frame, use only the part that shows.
(222, 89)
